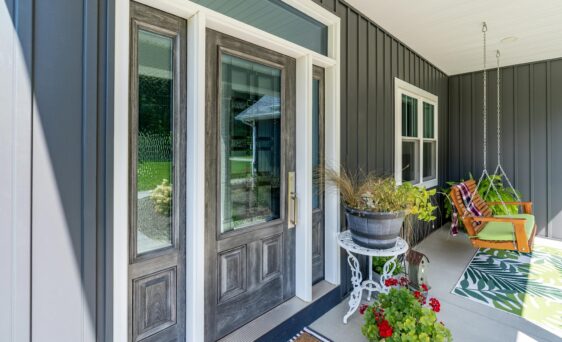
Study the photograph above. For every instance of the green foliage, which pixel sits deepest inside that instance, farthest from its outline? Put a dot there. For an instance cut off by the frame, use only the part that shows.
(503, 195)
(409, 319)
(162, 198)
(378, 264)
(381, 194)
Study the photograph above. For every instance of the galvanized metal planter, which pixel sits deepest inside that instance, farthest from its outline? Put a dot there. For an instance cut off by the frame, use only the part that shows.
(374, 229)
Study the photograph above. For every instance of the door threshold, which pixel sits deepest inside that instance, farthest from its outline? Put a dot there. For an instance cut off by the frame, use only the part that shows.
(266, 323)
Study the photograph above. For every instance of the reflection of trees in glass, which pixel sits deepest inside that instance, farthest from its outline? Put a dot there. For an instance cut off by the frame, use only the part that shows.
(155, 105)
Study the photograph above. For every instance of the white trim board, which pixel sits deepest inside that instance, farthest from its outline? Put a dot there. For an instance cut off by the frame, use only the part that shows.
(199, 18)
(402, 87)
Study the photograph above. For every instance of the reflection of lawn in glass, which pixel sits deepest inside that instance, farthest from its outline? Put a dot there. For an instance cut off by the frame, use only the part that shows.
(240, 167)
(150, 174)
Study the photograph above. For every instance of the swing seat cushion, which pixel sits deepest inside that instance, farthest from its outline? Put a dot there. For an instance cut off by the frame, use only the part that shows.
(504, 231)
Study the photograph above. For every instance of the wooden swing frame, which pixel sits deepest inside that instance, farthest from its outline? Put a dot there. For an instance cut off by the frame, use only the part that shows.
(521, 242)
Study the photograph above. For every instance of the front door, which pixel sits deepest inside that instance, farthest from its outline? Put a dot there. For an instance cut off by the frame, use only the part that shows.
(250, 247)
(157, 179)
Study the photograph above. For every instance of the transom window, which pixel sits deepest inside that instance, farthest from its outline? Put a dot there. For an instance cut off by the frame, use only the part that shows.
(416, 135)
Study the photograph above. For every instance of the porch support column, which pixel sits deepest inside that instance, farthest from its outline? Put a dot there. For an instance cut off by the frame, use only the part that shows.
(303, 277)
(195, 179)
(332, 158)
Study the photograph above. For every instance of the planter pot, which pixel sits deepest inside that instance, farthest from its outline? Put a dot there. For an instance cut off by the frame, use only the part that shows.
(374, 230)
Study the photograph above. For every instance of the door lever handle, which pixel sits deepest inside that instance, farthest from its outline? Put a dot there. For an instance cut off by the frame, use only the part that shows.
(292, 200)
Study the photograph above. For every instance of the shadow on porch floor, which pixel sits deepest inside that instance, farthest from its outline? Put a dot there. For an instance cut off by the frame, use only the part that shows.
(468, 320)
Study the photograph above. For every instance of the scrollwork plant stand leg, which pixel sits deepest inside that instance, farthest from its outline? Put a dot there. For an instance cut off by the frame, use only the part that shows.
(387, 271)
(356, 278)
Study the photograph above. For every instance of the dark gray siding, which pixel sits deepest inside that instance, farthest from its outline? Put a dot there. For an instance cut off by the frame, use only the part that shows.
(370, 59)
(69, 85)
(531, 102)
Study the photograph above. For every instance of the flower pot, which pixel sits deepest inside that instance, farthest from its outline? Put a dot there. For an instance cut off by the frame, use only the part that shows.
(374, 230)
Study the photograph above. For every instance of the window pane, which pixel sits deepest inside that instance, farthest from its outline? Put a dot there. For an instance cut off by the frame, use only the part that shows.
(250, 143)
(154, 142)
(315, 141)
(428, 121)
(275, 17)
(429, 160)
(410, 161)
(409, 116)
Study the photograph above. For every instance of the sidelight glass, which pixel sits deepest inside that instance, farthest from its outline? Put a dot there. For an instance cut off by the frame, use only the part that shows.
(250, 143)
(409, 116)
(316, 141)
(154, 136)
(410, 161)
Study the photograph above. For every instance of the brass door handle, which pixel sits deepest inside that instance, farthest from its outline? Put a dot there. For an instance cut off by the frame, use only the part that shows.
(292, 200)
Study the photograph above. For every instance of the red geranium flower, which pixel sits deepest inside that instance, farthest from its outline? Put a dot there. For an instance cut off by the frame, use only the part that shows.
(435, 305)
(362, 308)
(424, 287)
(390, 282)
(385, 330)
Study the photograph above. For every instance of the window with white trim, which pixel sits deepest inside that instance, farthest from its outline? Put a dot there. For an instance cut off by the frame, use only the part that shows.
(416, 144)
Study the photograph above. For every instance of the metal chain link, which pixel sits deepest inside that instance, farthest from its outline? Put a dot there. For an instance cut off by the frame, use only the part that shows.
(499, 131)
(484, 109)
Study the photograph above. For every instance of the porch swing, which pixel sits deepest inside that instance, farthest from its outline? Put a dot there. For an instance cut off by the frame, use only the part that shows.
(510, 232)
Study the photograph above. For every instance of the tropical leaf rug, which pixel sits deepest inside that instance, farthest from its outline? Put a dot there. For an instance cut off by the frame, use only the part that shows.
(527, 285)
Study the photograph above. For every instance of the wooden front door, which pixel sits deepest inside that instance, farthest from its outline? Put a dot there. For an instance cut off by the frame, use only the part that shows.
(250, 249)
(157, 175)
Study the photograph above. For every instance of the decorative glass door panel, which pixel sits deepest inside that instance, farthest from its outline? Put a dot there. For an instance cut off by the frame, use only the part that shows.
(250, 143)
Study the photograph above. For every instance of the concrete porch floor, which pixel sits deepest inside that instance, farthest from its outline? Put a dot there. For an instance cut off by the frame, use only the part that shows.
(467, 320)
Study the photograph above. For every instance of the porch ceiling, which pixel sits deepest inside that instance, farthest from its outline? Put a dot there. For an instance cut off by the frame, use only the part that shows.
(448, 33)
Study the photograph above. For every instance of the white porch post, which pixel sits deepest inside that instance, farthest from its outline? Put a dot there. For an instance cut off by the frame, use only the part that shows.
(195, 179)
(332, 158)
(304, 179)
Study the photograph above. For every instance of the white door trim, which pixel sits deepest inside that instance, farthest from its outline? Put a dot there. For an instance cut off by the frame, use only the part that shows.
(199, 18)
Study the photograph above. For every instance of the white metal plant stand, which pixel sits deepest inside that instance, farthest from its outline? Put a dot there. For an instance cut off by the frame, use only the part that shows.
(345, 241)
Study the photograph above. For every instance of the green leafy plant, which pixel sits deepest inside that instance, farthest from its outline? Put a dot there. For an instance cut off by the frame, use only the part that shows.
(378, 264)
(503, 195)
(381, 194)
(161, 197)
(402, 315)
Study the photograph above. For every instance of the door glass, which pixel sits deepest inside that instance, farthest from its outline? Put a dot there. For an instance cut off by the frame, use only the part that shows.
(409, 116)
(315, 141)
(410, 157)
(250, 143)
(154, 141)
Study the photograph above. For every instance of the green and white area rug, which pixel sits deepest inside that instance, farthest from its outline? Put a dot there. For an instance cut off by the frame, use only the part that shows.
(527, 285)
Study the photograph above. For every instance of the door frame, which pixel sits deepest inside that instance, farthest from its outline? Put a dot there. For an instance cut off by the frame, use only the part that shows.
(199, 19)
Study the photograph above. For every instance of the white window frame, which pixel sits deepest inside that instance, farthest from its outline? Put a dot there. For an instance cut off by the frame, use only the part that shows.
(199, 18)
(404, 88)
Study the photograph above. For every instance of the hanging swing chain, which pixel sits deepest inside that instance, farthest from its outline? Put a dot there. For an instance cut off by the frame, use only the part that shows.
(484, 109)
(499, 130)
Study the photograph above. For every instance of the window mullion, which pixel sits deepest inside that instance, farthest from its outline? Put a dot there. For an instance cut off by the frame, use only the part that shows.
(420, 136)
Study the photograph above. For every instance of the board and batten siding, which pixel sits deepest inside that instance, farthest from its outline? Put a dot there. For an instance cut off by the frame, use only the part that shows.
(61, 176)
(370, 60)
(531, 143)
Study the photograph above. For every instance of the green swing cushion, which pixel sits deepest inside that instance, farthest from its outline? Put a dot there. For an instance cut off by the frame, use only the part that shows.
(504, 231)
